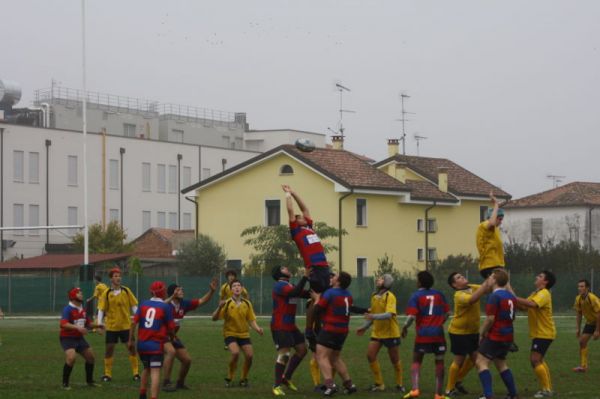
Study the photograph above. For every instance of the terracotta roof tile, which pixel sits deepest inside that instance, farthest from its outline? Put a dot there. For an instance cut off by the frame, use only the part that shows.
(424, 190)
(59, 261)
(572, 194)
(460, 180)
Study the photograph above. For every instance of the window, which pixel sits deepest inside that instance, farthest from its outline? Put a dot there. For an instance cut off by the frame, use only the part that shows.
(420, 254)
(161, 176)
(72, 218)
(286, 170)
(104, 116)
(272, 210)
(187, 176)
(18, 217)
(146, 176)
(187, 221)
(537, 230)
(113, 215)
(173, 220)
(205, 173)
(361, 212)
(226, 141)
(177, 136)
(161, 219)
(34, 219)
(113, 174)
(361, 267)
(128, 130)
(72, 170)
(420, 225)
(146, 220)
(482, 213)
(431, 225)
(18, 165)
(574, 234)
(172, 179)
(34, 167)
(432, 254)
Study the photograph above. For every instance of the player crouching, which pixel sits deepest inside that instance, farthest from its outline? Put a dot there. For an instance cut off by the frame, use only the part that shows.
(74, 324)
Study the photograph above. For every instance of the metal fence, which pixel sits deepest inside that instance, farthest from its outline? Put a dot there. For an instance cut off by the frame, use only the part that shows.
(48, 294)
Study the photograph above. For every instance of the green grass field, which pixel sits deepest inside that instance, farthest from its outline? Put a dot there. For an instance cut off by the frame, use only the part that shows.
(31, 362)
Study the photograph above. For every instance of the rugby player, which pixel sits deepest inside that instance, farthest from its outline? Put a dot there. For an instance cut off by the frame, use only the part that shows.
(587, 305)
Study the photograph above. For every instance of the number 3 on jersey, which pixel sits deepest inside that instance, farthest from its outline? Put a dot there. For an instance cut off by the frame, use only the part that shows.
(149, 317)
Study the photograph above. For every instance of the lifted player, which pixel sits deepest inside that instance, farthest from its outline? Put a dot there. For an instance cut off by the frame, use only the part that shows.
(489, 240)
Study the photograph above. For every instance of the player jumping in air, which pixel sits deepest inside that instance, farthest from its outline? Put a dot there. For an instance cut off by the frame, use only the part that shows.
(489, 240)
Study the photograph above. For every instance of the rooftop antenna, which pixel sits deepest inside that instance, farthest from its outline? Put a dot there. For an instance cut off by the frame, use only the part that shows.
(341, 88)
(403, 120)
(418, 139)
(556, 180)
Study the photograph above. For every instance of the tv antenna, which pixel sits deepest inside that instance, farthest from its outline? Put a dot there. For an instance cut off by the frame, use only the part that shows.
(403, 120)
(418, 139)
(341, 88)
(556, 180)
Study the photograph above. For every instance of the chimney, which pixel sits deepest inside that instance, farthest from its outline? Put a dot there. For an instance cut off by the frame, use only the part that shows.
(337, 142)
(393, 147)
(443, 179)
(398, 171)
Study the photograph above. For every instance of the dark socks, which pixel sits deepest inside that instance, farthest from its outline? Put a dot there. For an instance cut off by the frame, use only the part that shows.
(279, 369)
(89, 373)
(509, 381)
(292, 365)
(66, 374)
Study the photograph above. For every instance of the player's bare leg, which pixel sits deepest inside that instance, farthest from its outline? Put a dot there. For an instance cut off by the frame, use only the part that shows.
(248, 357)
(340, 367)
(234, 349)
(154, 381)
(168, 365)
(185, 359)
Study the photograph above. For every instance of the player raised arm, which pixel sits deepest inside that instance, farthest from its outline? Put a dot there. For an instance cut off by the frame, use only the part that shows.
(493, 220)
(301, 204)
(212, 287)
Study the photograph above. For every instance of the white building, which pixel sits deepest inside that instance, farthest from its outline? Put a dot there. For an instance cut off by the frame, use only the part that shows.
(566, 213)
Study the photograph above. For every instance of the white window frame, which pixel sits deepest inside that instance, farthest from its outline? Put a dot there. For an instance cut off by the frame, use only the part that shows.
(18, 166)
(161, 215)
(173, 222)
(34, 167)
(186, 223)
(187, 176)
(161, 178)
(128, 128)
(362, 263)
(432, 225)
(146, 177)
(420, 255)
(34, 218)
(114, 215)
(19, 218)
(420, 225)
(72, 172)
(146, 220)
(173, 179)
(362, 208)
(113, 174)
(267, 208)
(72, 217)
(177, 135)
(432, 254)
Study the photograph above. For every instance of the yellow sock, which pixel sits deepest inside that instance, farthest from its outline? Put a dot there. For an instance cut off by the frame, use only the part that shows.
(549, 381)
(398, 372)
(231, 369)
(452, 375)
(542, 375)
(377, 377)
(465, 368)
(315, 373)
(135, 366)
(584, 356)
(245, 369)
(108, 363)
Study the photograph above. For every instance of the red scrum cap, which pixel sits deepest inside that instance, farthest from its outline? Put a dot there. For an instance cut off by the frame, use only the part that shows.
(158, 289)
(73, 293)
(113, 271)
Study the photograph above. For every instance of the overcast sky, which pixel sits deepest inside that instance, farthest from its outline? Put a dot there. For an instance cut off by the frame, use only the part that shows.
(508, 89)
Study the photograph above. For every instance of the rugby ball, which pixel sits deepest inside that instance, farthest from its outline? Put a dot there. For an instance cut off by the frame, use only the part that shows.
(305, 145)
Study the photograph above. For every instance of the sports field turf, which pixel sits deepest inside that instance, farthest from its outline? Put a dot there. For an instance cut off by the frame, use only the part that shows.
(31, 365)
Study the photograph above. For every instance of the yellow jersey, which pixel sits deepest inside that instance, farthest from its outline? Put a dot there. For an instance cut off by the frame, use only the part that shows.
(116, 305)
(541, 322)
(99, 289)
(385, 303)
(466, 315)
(225, 292)
(489, 246)
(236, 316)
(588, 306)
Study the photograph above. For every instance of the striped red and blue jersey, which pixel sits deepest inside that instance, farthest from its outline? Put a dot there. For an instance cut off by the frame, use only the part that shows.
(430, 308)
(502, 305)
(75, 315)
(337, 303)
(309, 244)
(155, 319)
(283, 317)
(180, 310)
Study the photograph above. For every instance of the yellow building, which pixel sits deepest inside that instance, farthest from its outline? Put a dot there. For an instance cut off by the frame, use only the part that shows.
(384, 207)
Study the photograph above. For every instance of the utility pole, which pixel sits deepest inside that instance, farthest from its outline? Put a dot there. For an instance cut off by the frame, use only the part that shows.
(403, 120)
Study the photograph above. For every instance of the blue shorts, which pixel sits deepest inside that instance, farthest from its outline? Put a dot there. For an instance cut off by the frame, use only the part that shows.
(152, 360)
(494, 349)
(77, 343)
(287, 339)
(177, 343)
(239, 341)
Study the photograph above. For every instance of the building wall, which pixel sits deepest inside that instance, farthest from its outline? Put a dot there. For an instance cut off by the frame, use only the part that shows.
(264, 140)
(391, 225)
(559, 224)
(136, 198)
(203, 132)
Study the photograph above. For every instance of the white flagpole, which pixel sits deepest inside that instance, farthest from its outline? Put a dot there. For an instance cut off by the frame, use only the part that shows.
(84, 114)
